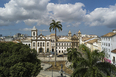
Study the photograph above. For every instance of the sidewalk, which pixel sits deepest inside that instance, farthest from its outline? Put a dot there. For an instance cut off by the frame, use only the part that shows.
(44, 73)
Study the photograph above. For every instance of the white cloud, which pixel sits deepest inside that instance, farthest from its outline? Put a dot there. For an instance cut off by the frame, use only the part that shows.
(68, 13)
(26, 29)
(68, 25)
(40, 12)
(102, 17)
(23, 10)
(44, 30)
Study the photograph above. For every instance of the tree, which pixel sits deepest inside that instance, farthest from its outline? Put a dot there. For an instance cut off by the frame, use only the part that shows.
(18, 60)
(55, 25)
(90, 64)
(73, 54)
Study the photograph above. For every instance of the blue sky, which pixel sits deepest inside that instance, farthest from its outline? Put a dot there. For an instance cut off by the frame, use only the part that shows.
(89, 16)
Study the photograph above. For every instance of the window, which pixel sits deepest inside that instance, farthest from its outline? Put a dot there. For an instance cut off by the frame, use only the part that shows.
(62, 44)
(47, 44)
(59, 51)
(43, 44)
(34, 44)
(109, 44)
(29, 45)
(38, 44)
(47, 49)
(62, 51)
(33, 33)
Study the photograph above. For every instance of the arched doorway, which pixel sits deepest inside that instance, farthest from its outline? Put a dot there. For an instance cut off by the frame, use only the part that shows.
(40, 50)
(52, 50)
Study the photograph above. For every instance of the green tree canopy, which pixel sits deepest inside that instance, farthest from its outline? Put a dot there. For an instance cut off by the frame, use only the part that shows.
(18, 60)
(90, 64)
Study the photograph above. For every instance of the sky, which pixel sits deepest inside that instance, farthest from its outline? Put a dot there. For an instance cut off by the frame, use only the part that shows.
(89, 16)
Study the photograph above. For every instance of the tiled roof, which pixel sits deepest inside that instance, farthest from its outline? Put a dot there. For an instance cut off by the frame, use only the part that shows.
(110, 34)
(114, 51)
(86, 38)
(92, 41)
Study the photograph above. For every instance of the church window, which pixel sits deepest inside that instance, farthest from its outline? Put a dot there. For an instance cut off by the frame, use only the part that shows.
(34, 44)
(29, 45)
(43, 44)
(33, 33)
(47, 44)
(38, 44)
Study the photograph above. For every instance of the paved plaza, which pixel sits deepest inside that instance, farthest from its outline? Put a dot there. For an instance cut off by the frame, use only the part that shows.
(44, 73)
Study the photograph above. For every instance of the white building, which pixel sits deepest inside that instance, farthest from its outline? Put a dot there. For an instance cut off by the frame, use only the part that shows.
(108, 43)
(63, 44)
(40, 43)
(27, 42)
(93, 44)
(113, 56)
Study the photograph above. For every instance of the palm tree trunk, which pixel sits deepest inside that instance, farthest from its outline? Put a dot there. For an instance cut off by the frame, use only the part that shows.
(55, 46)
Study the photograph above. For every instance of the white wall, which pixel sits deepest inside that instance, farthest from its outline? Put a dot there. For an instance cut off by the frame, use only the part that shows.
(113, 55)
(113, 43)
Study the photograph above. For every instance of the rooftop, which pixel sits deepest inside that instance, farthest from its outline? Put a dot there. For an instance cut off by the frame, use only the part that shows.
(86, 38)
(92, 41)
(114, 51)
(110, 34)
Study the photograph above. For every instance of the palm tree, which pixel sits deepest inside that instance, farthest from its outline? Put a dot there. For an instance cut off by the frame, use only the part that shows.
(90, 65)
(55, 25)
(73, 54)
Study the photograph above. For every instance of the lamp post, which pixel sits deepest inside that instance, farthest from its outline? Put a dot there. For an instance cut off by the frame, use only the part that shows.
(61, 70)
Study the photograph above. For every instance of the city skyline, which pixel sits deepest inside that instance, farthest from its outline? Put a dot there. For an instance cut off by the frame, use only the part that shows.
(89, 16)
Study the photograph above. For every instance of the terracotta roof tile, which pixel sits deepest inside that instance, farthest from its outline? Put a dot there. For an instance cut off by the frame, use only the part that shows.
(110, 34)
(86, 38)
(92, 41)
(114, 51)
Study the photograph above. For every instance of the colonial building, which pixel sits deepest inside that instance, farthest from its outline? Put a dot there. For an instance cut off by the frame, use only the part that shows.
(45, 44)
(40, 42)
(62, 45)
(108, 43)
